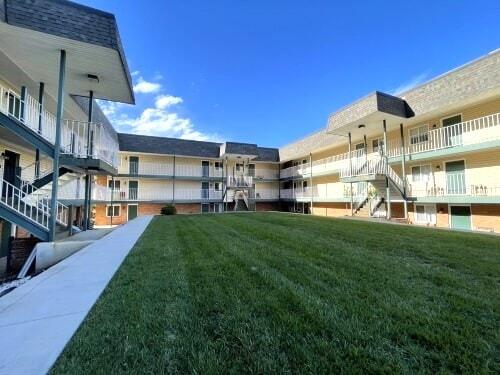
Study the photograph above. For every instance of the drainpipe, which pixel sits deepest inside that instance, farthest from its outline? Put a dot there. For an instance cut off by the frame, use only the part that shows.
(41, 89)
(88, 181)
(350, 173)
(403, 167)
(57, 145)
(366, 159)
(387, 187)
(111, 200)
(311, 180)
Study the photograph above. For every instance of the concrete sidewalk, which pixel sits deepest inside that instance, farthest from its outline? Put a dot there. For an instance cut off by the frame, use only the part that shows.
(40, 317)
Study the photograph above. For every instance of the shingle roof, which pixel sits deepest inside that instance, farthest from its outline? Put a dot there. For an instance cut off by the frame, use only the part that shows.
(240, 148)
(167, 146)
(68, 20)
(183, 147)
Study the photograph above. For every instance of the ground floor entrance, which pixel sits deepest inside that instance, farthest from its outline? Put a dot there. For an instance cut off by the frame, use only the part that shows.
(460, 217)
(132, 211)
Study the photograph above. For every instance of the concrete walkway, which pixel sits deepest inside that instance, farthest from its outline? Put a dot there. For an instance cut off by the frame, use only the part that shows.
(39, 318)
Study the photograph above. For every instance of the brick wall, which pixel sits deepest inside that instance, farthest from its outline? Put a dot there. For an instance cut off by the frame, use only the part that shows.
(102, 219)
(331, 209)
(188, 208)
(486, 216)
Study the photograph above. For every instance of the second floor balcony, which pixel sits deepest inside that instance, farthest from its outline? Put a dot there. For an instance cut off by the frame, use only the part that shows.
(472, 134)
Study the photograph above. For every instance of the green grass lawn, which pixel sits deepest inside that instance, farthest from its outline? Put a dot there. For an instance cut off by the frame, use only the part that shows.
(283, 293)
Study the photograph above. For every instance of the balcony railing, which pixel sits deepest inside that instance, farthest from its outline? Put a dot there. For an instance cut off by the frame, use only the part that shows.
(100, 193)
(239, 181)
(149, 169)
(267, 194)
(74, 134)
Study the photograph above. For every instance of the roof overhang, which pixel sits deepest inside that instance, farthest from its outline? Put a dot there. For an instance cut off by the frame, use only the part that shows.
(38, 54)
(372, 109)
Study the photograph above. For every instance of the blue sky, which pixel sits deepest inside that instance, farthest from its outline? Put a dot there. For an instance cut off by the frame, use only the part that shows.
(271, 71)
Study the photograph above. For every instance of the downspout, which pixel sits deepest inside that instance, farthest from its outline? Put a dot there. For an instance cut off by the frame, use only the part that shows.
(403, 167)
(350, 173)
(57, 145)
(111, 200)
(366, 161)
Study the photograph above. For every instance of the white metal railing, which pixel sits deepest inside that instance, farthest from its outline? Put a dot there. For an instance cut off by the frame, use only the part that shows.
(267, 194)
(478, 130)
(264, 174)
(374, 164)
(239, 181)
(150, 168)
(100, 193)
(29, 112)
(36, 209)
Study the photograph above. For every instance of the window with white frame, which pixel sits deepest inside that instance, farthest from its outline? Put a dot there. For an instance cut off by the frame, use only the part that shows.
(425, 214)
(419, 135)
(113, 211)
(421, 173)
(217, 186)
(114, 184)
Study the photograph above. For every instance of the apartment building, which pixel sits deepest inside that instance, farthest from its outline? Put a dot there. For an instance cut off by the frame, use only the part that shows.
(56, 58)
(195, 176)
(429, 156)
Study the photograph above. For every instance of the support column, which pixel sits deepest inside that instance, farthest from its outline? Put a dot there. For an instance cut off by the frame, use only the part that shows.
(57, 145)
(88, 176)
(350, 173)
(366, 162)
(387, 187)
(173, 184)
(111, 200)
(22, 109)
(41, 100)
(311, 182)
(403, 168)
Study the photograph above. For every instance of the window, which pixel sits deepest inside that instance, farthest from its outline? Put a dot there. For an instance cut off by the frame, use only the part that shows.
(116, 184)
(113, 210)
(217, 186)
(378, 145)
(239, 167)
(421, 173)
(419, 135)
(217, 165)
(457, 119)
(360, 146)
(425, 214)
(205, 207)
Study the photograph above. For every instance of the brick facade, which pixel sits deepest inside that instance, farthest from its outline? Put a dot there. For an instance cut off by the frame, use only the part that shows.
(486, 217)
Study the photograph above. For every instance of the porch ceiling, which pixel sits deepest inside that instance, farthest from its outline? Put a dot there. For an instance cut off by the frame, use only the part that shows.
(37, 54)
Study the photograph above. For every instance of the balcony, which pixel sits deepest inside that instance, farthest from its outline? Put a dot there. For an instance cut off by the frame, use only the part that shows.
(148, 169)
(191, 170)
(239, 181)
(468, 133)
(267, 194)
(74, 134)
(103, 194)
(265, 174)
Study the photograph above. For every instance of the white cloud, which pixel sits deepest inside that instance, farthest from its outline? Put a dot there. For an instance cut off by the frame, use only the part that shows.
(415, 81)
(144, 87)
(164, 101)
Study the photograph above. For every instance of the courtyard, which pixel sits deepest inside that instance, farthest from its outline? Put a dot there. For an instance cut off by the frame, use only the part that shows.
(271, 292)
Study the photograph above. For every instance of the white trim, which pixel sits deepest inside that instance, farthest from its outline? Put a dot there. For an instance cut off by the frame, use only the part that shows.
(443, 166)
(119, 210)
(433, 205)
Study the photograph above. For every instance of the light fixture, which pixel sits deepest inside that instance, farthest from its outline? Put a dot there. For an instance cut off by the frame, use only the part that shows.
(93, 78)
(360, 126)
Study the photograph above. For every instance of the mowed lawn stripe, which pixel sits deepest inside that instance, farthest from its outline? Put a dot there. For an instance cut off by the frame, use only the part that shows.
(290, 293)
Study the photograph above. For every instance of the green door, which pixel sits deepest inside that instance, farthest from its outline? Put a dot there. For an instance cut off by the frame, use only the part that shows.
(133, 190)
(455, 177)
(132, 211)
(452, 131)
(460, 217)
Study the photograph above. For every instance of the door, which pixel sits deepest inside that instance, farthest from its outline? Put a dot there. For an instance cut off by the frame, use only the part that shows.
(455, 177)
(133, 187)
(205, 190)
(133, 165)
(251, 170)
(132, 211)
(460, 217)
(452, 131)
(205, 168)
(10, 172)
